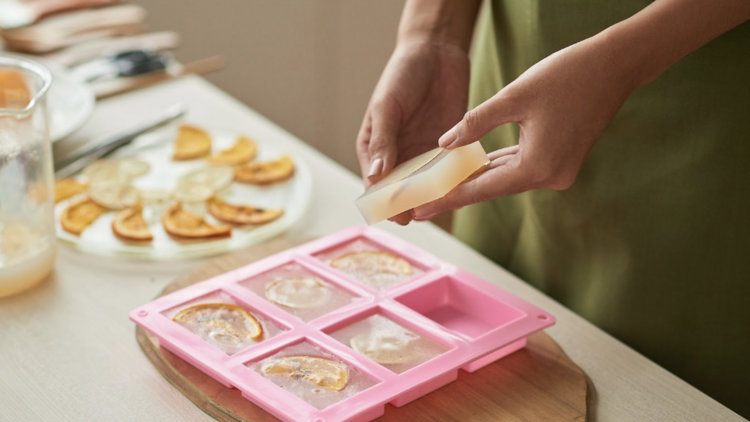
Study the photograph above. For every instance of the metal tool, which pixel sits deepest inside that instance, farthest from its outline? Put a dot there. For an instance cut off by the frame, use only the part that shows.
(81, 159)
(123, 64)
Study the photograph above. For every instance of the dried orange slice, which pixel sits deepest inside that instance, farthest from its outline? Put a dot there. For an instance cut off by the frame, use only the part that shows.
(300, 293)
(267, 172)
(323, 372)
(228, 325)
(66, 188)
(191, 143)
(80, 215)
(181, 223)
(14, 91)
(386, 349)
(243, 150)
(241, 214)
(372, 262)
(129, 224)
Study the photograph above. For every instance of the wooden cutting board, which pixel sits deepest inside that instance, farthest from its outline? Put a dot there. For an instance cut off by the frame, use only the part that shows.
(538, 383)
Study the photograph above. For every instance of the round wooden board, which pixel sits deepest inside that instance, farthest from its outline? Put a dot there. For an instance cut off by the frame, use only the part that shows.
(537, 383)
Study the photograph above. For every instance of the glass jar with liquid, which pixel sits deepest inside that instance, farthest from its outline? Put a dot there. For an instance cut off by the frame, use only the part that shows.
(27, 197)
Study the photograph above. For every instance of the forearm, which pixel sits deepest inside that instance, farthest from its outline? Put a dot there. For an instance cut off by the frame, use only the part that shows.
(647, 44)
(448, 21)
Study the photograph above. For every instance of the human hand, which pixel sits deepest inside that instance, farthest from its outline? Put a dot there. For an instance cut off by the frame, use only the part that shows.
(423, 92)
(562, 105)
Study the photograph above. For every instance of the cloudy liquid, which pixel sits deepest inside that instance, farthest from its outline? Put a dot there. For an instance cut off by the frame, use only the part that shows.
(26, 257)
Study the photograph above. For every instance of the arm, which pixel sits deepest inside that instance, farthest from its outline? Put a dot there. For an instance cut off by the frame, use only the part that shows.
(564, 103)
(443, 21)
(423, 90)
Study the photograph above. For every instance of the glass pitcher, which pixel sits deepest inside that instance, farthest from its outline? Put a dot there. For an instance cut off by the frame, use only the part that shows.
(27, 197)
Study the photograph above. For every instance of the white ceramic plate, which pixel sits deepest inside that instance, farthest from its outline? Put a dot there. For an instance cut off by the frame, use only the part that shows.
(156, 148)
(70, 102)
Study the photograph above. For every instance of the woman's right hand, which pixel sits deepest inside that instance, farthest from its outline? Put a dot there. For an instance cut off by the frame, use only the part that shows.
(422, 93)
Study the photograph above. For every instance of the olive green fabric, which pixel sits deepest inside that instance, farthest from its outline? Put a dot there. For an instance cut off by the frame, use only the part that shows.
(652, 242)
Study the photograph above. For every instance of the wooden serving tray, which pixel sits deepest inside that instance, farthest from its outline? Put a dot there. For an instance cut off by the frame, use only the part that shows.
(537, 383)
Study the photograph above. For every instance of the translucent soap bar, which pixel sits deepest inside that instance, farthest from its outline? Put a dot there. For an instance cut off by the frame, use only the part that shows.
(420, 180)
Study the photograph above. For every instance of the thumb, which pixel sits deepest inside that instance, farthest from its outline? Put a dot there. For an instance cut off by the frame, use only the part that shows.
(478, 122)
(382, 146)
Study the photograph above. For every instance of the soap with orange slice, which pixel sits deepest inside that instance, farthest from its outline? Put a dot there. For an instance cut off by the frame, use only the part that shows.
(265, 172)
(181, 223)
(228, 326)
(241, 214)
(68, 188)
(243, 150)
(191, 143)
(320, 371)
(372, 262)
(79, 215)
(129, 224)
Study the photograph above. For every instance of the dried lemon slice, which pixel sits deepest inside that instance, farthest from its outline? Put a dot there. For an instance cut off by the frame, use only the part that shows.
(132, 167)
(300, 293)
(114, 194)
(123, 168)
(370, 264)
(323, 372)
(180, 223)
(67, 188)
(129, 224)
(386, 349)
(191, 143)
(228, 325)
(241, 214)
(216, 178)
(243, 150)
(80, 215)
(153, 196)
(192, 193)
(264, 173)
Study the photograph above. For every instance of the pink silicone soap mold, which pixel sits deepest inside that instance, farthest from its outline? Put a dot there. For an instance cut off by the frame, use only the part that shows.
(422, 325)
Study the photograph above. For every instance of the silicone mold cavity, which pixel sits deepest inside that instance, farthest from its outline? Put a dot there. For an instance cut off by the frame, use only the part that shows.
(459, 307)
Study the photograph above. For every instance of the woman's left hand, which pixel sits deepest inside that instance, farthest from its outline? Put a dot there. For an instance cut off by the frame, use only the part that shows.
(562, 105)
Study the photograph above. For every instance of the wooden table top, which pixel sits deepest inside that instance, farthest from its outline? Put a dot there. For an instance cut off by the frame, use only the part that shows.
(68, 352)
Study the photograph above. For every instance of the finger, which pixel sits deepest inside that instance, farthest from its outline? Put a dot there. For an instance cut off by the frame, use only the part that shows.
(504, 179)
(382, 146)
(401, 219)
(503, 152)
(492, 113)
(363, 145)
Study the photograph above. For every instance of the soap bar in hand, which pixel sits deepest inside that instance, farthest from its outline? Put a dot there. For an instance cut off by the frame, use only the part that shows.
(422, 179)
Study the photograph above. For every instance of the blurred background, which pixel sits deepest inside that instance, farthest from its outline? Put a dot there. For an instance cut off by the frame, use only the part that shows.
(309, 66)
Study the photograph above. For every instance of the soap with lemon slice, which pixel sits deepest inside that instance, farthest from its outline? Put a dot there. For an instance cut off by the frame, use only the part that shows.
(422, 179)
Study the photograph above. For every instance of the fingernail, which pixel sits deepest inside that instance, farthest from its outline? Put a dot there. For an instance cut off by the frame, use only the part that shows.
(376, 167)
(417, 216)
(447, 138)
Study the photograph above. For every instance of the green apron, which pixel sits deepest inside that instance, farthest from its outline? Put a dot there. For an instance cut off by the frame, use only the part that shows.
(652, 242)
